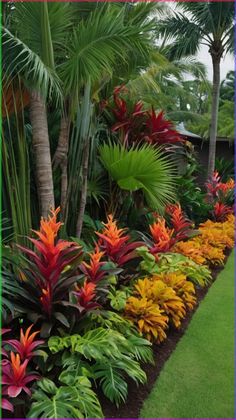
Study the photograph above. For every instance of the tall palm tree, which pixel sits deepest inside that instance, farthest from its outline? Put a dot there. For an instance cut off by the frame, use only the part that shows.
(210, 24)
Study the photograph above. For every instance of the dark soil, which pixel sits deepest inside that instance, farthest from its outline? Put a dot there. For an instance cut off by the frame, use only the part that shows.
(161, 352)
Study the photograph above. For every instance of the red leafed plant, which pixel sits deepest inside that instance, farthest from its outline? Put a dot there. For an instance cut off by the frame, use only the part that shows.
(93, 270)
(129, 118)
(159, 130)
(116, 244)
(50, 269)
(137, 125)
(221, 211)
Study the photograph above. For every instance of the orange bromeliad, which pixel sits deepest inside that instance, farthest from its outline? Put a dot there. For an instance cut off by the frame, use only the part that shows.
(162, 236)
(85, 296)
(93, 270)
(26, 345)
(15, 377)
(115, 244)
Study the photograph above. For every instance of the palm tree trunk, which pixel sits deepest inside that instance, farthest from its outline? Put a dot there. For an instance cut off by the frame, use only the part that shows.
(83, 198)
(214, 114)
(41, 148)
(60, 158)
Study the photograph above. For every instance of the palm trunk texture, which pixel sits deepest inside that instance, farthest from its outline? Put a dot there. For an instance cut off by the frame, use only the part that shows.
(214, 115)
(41, 148)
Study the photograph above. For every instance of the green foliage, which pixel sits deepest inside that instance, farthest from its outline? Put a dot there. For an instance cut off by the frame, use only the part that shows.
(74, 399)
(112, 362)
(118, 298)
(143, 168)
(173, 262)
(225, 168)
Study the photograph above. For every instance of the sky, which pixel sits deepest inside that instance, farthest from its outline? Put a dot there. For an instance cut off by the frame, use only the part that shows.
(227, 62)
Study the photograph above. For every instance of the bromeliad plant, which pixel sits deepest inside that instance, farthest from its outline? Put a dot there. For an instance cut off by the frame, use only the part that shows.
(49, 274)
(15, 373)
(221, 196)
(115, 244)
(164, 237)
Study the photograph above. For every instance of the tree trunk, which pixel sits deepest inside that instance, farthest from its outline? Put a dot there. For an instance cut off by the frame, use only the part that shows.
(83, 198)
(60, 158)
(214, 114)
(41, 148)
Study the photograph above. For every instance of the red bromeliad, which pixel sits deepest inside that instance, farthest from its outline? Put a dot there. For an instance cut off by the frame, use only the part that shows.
(221, 211)
(26, 345)
(181, 225)
(52, 256)
(115, 243)
(85, 296)
(15, 377)
(214, 186)
(93, 270)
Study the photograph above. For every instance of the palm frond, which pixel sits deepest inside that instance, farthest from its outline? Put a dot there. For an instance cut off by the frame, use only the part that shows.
(97, 44)
(142, 168)
(19, 59)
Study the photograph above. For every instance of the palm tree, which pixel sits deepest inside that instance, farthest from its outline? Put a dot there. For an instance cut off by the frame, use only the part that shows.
(92, 40)
(210, 24)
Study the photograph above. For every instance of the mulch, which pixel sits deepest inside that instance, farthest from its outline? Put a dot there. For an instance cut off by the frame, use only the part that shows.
(161, 353)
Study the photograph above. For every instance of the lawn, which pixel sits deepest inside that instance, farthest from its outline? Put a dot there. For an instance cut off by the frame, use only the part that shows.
(198, 379)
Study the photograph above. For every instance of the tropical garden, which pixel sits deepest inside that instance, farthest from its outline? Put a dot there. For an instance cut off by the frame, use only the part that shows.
(109, 241)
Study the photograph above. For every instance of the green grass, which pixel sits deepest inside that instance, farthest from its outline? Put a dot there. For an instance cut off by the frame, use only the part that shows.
(198, 379)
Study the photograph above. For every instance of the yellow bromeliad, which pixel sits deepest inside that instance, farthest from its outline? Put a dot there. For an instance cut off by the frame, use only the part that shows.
(150, 320)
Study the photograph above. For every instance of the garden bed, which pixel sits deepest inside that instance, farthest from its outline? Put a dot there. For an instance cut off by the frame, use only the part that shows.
(161, 354)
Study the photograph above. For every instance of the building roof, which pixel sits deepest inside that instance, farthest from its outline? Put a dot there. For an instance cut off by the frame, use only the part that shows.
(182, 130)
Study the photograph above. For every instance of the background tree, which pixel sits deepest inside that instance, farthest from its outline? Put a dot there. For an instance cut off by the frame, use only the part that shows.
(211, 24)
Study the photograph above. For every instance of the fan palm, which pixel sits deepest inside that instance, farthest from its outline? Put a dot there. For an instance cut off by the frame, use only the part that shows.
(211, 24)
(143, 168)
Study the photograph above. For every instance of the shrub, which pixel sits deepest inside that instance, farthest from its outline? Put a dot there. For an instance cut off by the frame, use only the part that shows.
(150, 320)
